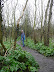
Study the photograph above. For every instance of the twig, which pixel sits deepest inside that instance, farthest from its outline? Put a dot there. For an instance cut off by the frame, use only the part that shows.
(7, 51)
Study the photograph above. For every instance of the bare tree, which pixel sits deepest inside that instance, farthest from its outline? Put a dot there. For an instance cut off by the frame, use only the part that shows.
(18, 23)
(50, 15)
(45, 24)
(41, 19)
(35, 24)
(1, 36)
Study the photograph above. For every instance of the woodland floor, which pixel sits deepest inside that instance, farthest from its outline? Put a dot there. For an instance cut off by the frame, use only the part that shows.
(46, 63)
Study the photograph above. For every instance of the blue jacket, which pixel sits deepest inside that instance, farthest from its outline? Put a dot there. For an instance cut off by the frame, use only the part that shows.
(23, 36)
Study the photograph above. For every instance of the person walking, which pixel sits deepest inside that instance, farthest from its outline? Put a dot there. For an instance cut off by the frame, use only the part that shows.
(22, 37)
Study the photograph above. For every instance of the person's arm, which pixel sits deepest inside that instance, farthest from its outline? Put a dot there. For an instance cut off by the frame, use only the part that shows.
(22, 36)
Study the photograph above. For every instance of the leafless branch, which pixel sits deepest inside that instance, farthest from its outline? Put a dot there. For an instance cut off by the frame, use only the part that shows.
(22, 13)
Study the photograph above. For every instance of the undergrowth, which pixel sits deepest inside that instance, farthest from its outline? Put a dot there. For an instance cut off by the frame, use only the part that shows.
(40, 47)
(17, 61)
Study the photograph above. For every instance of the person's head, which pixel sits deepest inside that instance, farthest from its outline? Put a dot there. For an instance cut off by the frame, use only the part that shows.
(22, 31)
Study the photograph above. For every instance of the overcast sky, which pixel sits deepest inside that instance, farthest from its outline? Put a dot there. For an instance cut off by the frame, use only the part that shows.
(10, 5)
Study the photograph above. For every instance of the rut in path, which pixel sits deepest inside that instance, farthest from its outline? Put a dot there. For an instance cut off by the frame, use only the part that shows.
(46, 64)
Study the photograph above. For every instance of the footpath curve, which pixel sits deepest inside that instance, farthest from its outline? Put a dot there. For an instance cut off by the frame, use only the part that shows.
(46, 64)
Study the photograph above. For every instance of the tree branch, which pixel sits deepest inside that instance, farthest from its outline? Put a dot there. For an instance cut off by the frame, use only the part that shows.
(22, 13)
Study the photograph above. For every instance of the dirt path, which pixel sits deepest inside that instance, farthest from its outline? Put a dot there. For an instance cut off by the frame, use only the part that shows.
(46, 64)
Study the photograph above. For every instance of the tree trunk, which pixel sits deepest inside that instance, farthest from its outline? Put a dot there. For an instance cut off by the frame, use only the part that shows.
(45, 24)
(41, 19)
(3, 46)
(35, 25)
(50, 14)
(1, 36)
(26, 28)
(16, 35)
